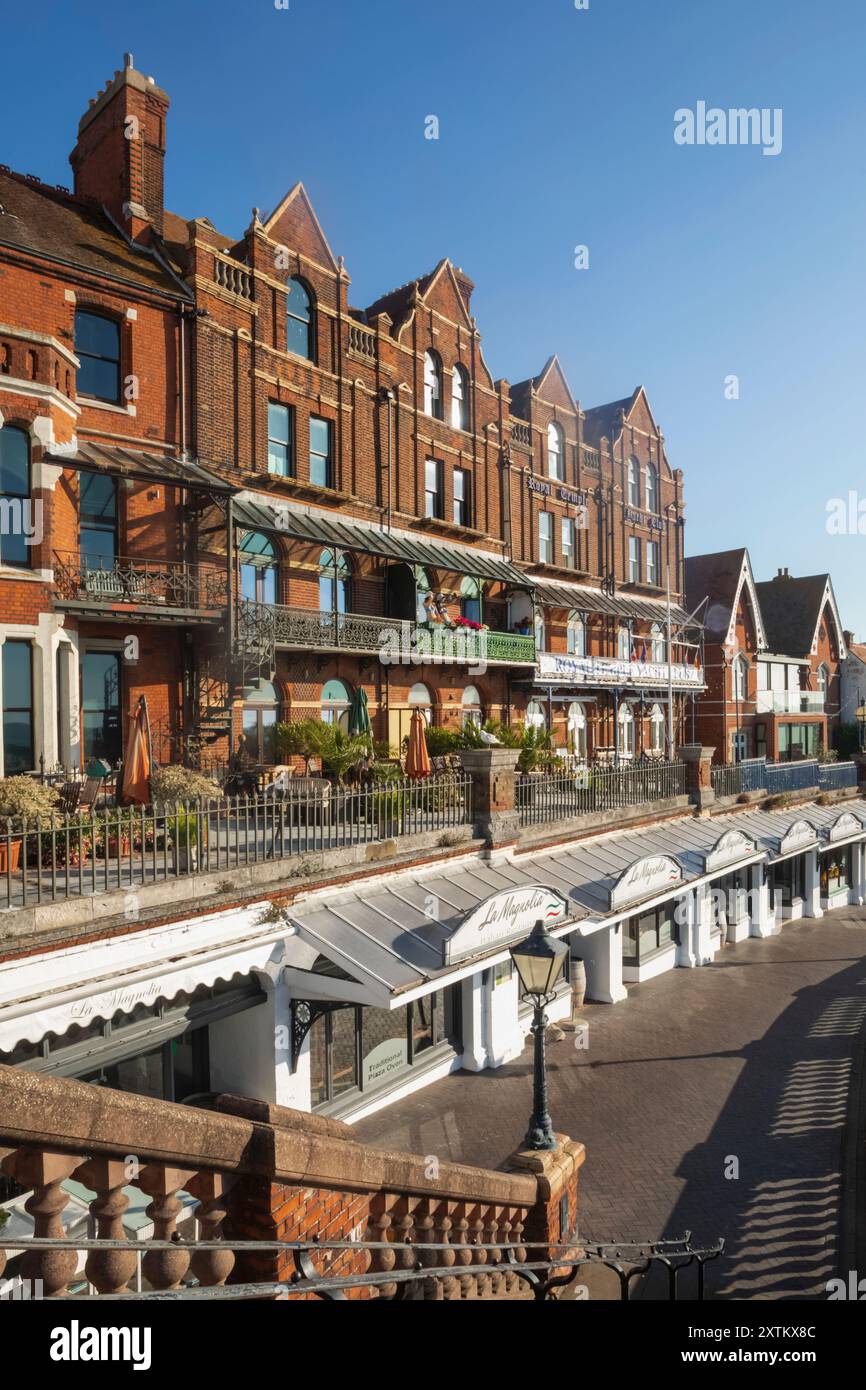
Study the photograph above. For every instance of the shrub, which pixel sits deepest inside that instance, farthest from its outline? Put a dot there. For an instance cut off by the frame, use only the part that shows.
(22, 798)
(297, 741)
(443, 741)
(536, 750)
(175, 785)
(510, 736)
(340, 752)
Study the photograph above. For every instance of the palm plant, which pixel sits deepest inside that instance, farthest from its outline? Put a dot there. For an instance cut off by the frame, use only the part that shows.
(340, 752)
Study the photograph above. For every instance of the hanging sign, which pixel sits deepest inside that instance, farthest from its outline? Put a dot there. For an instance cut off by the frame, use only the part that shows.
(506, 916)
(644, 879)
(800, 836)
(845, 826)
(732, 846)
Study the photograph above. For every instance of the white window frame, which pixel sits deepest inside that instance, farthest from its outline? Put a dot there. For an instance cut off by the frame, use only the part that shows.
(545, 538)
(556, 452)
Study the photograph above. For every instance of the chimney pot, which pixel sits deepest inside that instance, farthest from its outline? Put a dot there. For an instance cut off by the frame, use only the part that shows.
(127, 60)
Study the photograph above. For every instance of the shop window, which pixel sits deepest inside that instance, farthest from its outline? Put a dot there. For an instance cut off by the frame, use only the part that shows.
(432, 385)
(281, 424)
(18, 746)
(336, 700)
(321, 452)
(460, 398)
(335, 574)
(259, 719)
(258, 565)
(836, 871)
(15, 491)
(555, 452)
(575, 635)
(299, 320)
(648, 933)
(100, 687)
(97, 522)
(788, 881)
(97, 347)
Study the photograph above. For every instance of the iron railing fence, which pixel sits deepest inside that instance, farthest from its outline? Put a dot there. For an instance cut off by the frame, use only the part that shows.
(408, 1271)
(134, 580)
(792, 777)
(54, 858)
(836, 776)
(549, 796)
(731, 779)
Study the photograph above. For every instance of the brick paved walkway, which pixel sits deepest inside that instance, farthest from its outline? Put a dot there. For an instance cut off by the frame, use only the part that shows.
(746, 1062)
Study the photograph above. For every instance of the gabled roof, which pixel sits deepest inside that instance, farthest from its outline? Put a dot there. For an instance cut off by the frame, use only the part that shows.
(605, 421)
(721, 578)
(398, 304)
(297, 205)
(522, 390)
(792, 609)
(50, 222)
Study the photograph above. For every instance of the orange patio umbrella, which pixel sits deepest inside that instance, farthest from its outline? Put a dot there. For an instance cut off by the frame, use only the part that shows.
(137, 761)
(417, 757)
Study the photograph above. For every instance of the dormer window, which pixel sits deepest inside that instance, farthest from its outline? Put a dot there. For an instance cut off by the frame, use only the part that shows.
(299, 320)
(432, 385)
(97, 347)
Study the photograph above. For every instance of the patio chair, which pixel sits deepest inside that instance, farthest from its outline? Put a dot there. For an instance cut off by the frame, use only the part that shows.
(90, 794)
(70, 796)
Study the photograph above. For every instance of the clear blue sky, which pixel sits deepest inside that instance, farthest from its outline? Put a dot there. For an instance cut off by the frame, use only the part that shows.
(556, 129)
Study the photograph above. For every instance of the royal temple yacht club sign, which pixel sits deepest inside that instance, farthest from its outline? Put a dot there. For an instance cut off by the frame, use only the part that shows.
(506, 917)
(845, 826)
(644, 879)
(800, 836)
(732, 846)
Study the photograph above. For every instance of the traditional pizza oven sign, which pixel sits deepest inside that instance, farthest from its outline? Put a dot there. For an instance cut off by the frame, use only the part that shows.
(644, 879)
(506, 917)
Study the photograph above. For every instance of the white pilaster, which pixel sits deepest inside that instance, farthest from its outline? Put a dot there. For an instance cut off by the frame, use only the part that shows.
(475, 1022)
(601, 953)
(812, 906)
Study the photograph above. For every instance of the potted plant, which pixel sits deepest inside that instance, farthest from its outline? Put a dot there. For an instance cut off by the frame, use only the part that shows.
(22, 800)
(180, 793)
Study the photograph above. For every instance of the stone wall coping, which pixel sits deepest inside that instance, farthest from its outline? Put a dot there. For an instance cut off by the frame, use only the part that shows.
(60, 1115)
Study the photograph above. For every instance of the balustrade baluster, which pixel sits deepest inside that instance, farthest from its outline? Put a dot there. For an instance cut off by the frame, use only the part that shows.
(46, 1172)
(382, 1260)
(211, 1267)
(109, 1271)
(164, 1269)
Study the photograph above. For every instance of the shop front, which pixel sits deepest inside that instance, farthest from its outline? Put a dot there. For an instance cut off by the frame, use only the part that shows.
(842, 868)
(792, 874)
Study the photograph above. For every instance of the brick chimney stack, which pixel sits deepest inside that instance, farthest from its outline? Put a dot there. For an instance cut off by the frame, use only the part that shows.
(118, 160)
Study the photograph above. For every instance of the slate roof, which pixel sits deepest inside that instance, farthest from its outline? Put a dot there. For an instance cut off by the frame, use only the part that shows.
(714, 577)
(605, 421)
(49, 222)
(791, 608)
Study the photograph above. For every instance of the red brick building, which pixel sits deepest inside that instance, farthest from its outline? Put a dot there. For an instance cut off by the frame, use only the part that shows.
(255, 499)
(773, 654)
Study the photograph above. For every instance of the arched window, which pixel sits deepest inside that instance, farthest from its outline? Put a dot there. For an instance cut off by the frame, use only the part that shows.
(652, 488)
(623, 644)
(555, 452)
(460, 398)
(15, 491)
(299, 319)
(633, 482)
(657, 642)
(432, 385)
(258, 562)
(626, 731)
(535, 716)
(823, 680)
(259, 717)
(97, 347)
(470, 600)
(336, 699)
(470, 706)
(576, 730)
(419, 698)
(576, 635)
(335, 573)
(741, 678)
(657, 729)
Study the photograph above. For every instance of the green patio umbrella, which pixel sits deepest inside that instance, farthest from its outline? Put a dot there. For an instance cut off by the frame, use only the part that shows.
(359, 715)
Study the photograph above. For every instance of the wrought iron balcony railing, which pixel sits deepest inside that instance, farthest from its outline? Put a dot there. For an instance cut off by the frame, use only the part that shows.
(138, 582)
(261, 625)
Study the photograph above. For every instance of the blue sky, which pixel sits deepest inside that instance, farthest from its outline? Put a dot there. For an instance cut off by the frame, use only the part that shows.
(556, 129)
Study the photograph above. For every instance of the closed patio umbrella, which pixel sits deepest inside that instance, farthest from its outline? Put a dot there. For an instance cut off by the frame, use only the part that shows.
(137, 761)
(359, 715)
(417, 757)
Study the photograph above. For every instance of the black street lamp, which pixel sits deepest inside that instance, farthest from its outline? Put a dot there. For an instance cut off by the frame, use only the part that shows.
(538, 961)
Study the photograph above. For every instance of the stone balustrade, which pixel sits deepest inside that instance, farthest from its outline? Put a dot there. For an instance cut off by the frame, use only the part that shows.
(261, 1173)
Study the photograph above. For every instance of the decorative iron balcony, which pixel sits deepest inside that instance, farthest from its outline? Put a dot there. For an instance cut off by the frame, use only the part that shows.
(137, 583)
(278, 625)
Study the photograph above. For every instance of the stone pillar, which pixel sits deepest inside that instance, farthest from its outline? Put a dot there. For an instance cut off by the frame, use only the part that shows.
(494, 790)
(812, 906)
(601, 952)
(476, 1054)
(763, 922)
(699, 783)
(553, 1219)
(687, 921)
